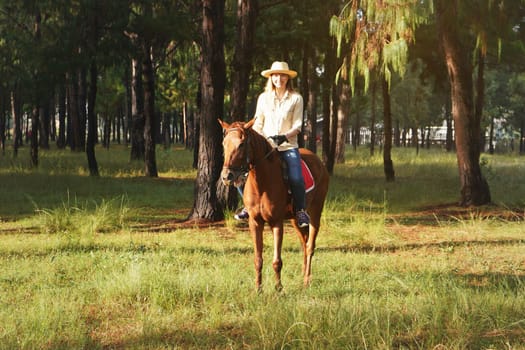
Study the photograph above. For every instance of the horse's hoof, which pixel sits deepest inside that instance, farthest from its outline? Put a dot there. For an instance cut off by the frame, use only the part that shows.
(307, 282)
(279, 287)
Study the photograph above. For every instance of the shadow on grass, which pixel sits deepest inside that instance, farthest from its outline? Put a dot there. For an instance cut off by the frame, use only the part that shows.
(380, 249)
(189, 337)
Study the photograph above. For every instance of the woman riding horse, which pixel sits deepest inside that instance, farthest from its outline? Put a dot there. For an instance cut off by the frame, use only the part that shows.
(279, 117)
(266, 196)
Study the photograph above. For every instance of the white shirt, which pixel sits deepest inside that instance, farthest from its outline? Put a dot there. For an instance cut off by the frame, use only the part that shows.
(279, 117)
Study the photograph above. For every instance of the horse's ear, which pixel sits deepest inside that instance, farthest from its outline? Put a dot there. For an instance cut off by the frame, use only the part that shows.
(223, 124)
(249, 124)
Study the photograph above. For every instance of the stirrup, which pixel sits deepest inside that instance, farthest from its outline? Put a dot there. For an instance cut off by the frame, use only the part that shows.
(242, 215)
(303, 220)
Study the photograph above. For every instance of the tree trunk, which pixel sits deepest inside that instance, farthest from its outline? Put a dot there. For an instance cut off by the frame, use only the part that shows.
(480, 96)
(149, 112)
(491, 136)
(52, 119)
(82, 117)
(427, 139)
(325, 140)
(166, 130)
(34, 136)
(329, 94)
(208, 194)
(388, 165)
(312, 108)
(474, 187)
(43, 140)
(137, 112)
(73, 102)
(356, 130)
(113, 123)
(522, 137)
(106, 129)
(397, 131)
(92, 121)
(127, 107)
(415, 139)
(342, 117)
(373, 116)
(61, 139)
(242, 58)
(36, 97)
(16, 112)
(304, 89)
(449, 142)
(334, 108)
(120, 117)
(3, 109)
(185, 125)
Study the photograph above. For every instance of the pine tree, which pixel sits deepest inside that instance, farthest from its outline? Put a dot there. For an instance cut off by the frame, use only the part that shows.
(379, 33)
(207, 204)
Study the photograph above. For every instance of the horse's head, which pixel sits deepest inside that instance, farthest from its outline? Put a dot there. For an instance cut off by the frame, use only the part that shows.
(236, 152)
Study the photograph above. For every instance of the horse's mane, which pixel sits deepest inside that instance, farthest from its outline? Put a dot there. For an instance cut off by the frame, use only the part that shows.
(259, 142)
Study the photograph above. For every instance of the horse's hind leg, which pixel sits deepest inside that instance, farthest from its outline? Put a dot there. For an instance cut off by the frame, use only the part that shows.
(277, 260)
(303, 237)
(309, 253)
(308, 237)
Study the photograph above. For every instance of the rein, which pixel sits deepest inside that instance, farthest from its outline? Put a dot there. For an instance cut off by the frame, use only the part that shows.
(248, 164)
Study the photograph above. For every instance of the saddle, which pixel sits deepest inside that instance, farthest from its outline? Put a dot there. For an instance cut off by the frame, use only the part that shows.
(309, 182)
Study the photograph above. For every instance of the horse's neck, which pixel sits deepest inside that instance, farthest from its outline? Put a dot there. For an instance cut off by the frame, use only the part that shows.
(267, 169)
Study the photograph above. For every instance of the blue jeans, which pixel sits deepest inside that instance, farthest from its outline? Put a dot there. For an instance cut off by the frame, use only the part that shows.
(295, 177)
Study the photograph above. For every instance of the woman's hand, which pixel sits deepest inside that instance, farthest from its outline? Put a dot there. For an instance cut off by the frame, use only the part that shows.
(278, 139)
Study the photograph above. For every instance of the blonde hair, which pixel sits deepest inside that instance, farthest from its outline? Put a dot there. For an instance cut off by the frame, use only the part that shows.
(269, 87)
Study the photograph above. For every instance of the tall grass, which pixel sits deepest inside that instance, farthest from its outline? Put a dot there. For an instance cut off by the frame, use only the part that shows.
(83, 267)
(79, 223)
(194, 290)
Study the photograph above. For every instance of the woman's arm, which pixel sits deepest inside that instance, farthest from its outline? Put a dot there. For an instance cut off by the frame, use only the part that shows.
(297, 118)
(259, 115)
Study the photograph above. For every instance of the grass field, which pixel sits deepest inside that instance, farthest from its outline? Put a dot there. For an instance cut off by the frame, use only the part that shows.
(109, 263)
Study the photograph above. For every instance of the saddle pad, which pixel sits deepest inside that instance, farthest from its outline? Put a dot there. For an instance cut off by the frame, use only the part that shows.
(309, 182)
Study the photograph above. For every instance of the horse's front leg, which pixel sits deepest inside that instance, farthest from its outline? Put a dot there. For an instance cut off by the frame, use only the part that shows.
(256, 230)
(277, 263)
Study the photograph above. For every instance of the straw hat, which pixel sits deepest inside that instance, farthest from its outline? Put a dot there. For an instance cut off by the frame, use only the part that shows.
(279, 67)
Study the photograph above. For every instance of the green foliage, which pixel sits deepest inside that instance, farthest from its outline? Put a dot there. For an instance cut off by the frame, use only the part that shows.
(504, 105)
(412, 96)
(516, 93)
(177, 79)
(111, 93)
(378, 34)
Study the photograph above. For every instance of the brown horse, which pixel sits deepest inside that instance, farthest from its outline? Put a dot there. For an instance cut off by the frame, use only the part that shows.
(266, 194)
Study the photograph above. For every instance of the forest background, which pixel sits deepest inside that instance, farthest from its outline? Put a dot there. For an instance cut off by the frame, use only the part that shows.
(110, 142)
(79, 73)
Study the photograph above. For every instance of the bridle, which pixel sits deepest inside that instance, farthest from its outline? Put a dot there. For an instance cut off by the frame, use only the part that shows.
(245, 166)
(248, 164)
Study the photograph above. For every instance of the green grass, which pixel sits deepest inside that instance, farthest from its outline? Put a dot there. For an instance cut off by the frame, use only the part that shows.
(63, 175)
(102, 263)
